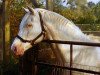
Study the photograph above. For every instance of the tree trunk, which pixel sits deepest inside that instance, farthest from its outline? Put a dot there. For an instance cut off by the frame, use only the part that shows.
(6, 33)
(35, 3)
(49, 5)
(1, 51)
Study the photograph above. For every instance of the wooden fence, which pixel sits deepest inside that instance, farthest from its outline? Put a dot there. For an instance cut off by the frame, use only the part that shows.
(29, 67)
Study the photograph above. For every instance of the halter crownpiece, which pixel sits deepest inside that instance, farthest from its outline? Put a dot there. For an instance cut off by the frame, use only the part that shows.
(32, 42)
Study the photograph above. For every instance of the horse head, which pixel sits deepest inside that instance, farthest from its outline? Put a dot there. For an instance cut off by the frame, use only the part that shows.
(30, 32)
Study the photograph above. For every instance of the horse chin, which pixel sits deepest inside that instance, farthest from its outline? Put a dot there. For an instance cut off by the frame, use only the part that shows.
(21, 53)
(17, 54)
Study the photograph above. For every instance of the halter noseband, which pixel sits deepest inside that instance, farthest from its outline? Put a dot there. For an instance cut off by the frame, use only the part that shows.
(42, 33)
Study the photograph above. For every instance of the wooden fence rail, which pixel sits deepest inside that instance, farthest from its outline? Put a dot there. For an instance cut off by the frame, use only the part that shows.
(67, 68)
(72, 42)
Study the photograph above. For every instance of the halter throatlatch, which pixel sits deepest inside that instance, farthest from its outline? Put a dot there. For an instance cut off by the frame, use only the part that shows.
(32, 42)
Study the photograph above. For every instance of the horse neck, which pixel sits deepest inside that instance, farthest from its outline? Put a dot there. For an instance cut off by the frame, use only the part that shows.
(60, 28)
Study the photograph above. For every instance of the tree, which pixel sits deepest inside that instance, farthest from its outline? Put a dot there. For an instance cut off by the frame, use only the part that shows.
(49, 5)
(96, 11)
(81, 2)
(77, 3)
(91, 4)
(6, 33)
(1, 51)
(35, 3)
(58, 7)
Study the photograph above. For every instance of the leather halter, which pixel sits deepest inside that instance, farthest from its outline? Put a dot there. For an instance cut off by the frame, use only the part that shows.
(32, 42)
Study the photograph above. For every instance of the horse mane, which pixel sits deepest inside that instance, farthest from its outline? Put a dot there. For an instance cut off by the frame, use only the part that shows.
(67, 28)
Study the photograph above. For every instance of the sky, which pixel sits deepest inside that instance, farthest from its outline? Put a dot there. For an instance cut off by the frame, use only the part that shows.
(95, 1)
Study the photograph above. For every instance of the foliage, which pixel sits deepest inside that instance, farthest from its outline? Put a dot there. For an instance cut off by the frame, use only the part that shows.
(83, 12)
(16, 12)
(96, 11)
(80, 12)
(91, 4)
(89, 27)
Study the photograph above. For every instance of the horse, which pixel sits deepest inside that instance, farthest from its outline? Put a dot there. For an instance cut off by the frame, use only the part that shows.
(39, 24)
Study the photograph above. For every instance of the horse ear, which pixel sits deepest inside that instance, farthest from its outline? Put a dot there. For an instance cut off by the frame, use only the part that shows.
(26, 10)
(31, 10)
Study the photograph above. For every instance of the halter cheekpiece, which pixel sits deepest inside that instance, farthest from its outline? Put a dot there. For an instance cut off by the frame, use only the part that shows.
(42, 33)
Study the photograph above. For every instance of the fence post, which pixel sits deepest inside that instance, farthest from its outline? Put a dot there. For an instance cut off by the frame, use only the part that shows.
(5, 34)
(71, 57)
(35, 67)
(27, 62)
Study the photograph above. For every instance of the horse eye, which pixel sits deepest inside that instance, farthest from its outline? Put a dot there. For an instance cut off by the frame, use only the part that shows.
(29, 25)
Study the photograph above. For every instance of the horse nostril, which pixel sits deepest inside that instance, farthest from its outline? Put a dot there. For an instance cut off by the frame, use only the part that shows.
(15, 49)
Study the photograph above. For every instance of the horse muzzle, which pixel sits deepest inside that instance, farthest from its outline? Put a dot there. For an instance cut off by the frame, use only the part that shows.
(18, 50)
